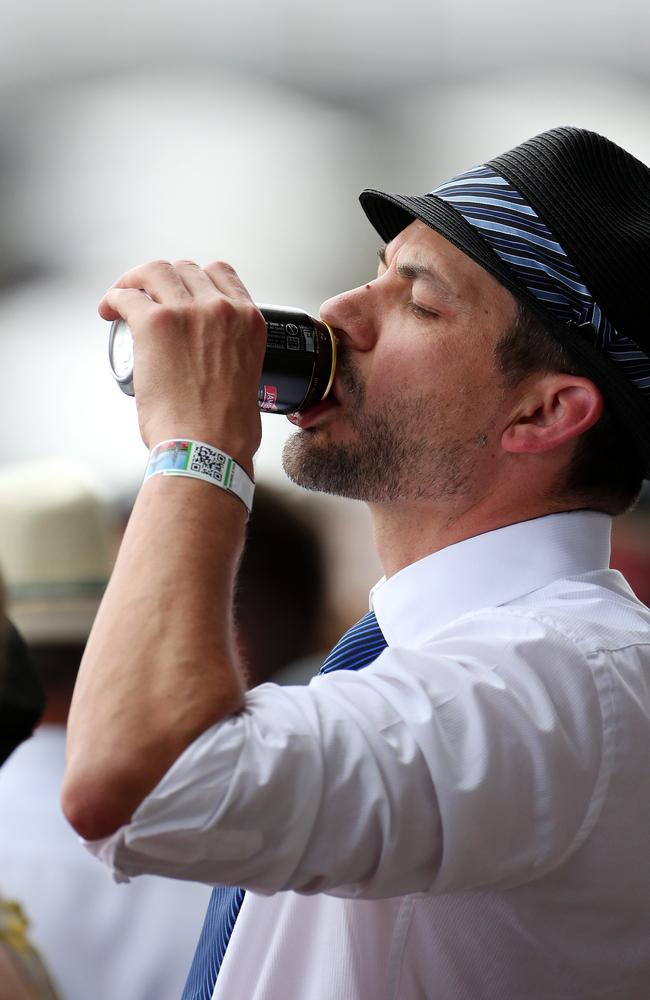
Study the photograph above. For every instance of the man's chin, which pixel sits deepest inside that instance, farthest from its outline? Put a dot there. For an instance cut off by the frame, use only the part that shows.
(298, 461)
(322, 467)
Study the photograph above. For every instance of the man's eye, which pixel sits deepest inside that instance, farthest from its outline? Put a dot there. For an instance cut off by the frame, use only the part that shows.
(421, 312)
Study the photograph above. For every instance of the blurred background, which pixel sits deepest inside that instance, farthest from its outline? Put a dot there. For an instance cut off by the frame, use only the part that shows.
(245, 132)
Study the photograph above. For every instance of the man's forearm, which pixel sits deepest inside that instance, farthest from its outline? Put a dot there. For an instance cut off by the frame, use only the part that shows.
(160, 665)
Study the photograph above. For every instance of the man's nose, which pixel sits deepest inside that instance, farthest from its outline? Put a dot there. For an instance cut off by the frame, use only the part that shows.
(352, 315)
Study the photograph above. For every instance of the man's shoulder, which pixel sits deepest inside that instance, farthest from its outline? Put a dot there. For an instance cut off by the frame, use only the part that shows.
(582, 614)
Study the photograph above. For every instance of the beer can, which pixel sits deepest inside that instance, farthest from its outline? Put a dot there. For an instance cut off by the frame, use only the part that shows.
(299, 361)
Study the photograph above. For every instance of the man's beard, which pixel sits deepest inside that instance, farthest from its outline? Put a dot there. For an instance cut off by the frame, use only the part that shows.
(398, 456)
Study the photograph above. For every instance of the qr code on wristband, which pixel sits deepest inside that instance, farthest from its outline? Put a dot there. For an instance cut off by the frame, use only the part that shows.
(208, 462)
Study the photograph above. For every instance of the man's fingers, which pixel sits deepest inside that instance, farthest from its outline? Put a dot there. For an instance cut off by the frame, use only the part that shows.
(124, 303)
(145, 289)
(159, 279)
(196, 281)
(226, 280)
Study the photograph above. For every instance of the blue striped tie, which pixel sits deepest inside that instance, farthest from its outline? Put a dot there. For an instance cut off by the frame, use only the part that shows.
(360, 645)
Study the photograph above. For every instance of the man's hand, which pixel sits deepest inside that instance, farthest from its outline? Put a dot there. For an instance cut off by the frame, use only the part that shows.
(199, 345)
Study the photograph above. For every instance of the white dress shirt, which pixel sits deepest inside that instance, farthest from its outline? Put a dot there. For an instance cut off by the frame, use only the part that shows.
(468, 818)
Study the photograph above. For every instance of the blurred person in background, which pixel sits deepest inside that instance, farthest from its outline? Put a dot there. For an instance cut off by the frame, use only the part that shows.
(281, 609)
(631, 548)
(98, 938)
(283, 618)
(23, 975)
(458, 806)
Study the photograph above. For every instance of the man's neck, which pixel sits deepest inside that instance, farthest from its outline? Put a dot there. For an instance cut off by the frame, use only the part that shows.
(404, 534)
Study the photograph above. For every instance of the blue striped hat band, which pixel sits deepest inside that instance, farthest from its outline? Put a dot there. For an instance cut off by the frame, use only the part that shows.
(515, 232)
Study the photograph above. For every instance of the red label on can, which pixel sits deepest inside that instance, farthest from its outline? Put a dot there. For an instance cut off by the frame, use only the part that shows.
(270, 397)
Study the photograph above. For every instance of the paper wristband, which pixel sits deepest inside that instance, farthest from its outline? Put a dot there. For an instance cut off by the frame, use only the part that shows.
(198, 460)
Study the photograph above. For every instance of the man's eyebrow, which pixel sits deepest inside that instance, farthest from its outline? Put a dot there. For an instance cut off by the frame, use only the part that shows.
(413, 271)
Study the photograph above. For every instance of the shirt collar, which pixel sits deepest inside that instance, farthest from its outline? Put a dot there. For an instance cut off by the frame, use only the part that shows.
(488, 570)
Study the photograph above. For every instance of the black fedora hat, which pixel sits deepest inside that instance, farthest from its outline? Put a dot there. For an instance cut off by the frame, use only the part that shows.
(563, 221)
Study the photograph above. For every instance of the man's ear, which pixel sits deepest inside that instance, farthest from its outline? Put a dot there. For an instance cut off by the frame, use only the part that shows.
(553, 410)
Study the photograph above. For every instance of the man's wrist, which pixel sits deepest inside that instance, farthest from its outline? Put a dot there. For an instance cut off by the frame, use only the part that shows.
(232, 437)
(201, 460)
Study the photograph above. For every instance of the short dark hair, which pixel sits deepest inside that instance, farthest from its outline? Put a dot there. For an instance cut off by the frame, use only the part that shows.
(605, 471)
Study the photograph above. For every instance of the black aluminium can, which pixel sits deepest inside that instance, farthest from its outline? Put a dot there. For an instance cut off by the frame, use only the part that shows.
(298, 368)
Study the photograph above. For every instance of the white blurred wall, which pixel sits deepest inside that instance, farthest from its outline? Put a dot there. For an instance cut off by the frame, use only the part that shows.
(140, 167)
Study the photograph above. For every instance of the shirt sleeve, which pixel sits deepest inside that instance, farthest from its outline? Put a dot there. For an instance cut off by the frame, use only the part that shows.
(476, 760)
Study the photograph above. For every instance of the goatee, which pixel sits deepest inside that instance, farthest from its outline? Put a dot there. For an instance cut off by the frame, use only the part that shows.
(395, 457)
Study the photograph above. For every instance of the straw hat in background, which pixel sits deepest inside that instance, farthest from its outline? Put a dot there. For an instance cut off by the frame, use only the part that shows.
(56, 550)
